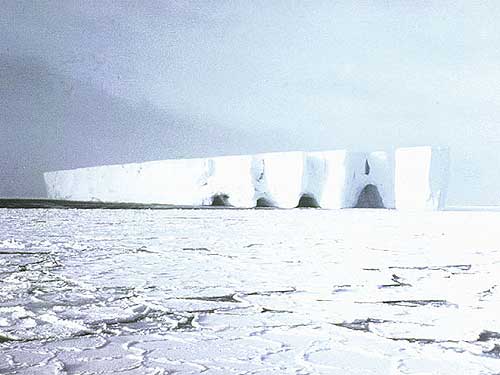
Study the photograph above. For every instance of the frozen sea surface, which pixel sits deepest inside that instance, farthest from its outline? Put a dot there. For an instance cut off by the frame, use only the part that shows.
(249, 292)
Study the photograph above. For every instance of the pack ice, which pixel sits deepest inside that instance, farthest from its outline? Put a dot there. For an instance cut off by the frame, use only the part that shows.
(404, 178)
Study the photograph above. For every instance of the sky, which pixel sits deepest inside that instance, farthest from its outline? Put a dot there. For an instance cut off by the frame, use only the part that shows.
(100, 82)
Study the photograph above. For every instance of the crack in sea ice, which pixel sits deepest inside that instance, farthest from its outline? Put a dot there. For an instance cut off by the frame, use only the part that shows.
(190, 308)
(412, 302)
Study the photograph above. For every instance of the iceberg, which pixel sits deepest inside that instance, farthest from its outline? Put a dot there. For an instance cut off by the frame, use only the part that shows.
(403, 178)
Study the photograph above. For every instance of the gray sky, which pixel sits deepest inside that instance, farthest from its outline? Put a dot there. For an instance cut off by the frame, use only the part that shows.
(95, 82)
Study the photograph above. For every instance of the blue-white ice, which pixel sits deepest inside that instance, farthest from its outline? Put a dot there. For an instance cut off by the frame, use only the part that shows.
(249, 291)
(406, 178)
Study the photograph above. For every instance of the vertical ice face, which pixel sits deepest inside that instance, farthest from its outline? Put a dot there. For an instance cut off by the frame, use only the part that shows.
(279, 178)
(229, 182)
(383, 169)
(370, 180)
(169, 181)
(421, 178)
(78, 184)
(346, 174)
(439, 176)
(410, 178)
(53, 184)
(327, 178)
(356, 177)
(313, 181)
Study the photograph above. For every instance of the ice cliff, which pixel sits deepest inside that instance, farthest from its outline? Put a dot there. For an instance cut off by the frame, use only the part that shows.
(405, 178)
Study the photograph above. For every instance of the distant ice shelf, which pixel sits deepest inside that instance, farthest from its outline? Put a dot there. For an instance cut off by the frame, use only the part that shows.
(405, 178)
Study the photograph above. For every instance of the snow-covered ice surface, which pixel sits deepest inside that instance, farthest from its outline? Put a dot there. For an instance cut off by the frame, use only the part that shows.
(249, 292)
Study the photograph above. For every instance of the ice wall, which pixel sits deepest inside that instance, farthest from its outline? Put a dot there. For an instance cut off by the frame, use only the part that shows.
(373, 168)
(278, 178)
(421, 178)
(229, 181)
(338, 177)
(382, 175)
(327, 179)
(171, 181)
(408, 178)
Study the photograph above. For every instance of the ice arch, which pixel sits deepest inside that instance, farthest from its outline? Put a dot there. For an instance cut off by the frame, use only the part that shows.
(369, 198)
(307, 201)
(264, 202)
(220, 200)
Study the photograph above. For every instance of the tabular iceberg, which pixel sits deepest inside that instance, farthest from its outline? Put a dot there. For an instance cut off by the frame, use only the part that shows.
(404, 178)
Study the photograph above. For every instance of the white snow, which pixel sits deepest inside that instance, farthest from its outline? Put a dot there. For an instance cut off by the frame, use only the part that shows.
(407, 178)
(242, 291)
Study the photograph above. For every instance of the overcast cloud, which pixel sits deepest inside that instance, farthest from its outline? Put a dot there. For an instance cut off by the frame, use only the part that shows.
(94, 82)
